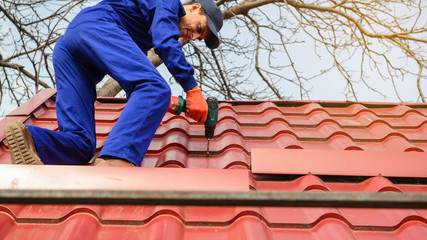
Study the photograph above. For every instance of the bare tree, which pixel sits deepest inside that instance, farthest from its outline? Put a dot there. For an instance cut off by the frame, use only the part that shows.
(29, 30)
(259, 57)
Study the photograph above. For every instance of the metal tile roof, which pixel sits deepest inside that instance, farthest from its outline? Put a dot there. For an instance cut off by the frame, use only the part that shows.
(352, 130)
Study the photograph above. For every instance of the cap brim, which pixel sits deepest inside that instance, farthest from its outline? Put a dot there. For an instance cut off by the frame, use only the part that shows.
(212, 41)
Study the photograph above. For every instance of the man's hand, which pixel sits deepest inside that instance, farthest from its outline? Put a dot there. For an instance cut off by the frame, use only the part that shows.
(197, 108)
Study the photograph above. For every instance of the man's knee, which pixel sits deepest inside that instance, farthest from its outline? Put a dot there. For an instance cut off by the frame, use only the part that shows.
(158, 89)
(90, 147)
(84, 147)
(166, 91)
(165, 94)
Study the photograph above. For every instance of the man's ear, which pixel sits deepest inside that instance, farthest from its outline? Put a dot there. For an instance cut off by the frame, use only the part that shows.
(195, 6)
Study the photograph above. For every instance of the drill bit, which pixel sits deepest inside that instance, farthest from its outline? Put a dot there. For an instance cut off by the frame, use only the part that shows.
(207, 149)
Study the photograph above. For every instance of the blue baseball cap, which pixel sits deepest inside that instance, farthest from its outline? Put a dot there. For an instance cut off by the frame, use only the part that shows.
(215, 19)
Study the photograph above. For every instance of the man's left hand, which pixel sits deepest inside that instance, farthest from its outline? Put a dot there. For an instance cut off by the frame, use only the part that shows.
(197, 108)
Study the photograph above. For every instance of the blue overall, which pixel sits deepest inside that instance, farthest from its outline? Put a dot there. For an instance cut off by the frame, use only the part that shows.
(113, 38)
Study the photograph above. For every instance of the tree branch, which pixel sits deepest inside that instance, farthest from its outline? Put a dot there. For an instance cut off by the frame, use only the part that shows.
(25, 72)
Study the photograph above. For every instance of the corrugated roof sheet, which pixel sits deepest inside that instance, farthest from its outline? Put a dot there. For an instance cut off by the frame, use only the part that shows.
(243, 125)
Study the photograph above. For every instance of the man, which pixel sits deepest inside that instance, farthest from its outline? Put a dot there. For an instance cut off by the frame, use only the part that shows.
(113, 38)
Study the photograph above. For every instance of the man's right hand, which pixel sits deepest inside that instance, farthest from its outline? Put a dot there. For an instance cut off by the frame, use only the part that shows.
(197, 108)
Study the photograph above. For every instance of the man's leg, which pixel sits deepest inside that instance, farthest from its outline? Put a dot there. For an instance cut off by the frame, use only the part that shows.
(113, 50)
(76, 141)
(133, 132)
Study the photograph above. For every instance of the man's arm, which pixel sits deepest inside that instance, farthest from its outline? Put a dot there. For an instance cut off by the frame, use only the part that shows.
(165, 34)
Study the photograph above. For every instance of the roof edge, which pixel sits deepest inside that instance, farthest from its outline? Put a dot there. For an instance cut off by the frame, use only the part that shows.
(29, 106)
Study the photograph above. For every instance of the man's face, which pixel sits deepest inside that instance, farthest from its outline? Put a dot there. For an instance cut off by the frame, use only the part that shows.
(193, 25)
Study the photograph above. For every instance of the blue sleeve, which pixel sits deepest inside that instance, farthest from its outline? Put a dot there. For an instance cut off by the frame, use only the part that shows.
(165, 34)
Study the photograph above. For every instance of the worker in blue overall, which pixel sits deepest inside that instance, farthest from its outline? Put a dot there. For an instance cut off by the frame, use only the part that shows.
(113, 38)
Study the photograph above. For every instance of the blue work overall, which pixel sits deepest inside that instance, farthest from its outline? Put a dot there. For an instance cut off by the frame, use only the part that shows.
(113, 38)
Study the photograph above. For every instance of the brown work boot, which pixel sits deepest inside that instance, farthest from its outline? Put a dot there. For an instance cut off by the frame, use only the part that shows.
(21, 144)
(99, 162)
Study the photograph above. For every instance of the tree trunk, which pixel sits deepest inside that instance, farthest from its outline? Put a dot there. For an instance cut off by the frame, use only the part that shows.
(111, 88)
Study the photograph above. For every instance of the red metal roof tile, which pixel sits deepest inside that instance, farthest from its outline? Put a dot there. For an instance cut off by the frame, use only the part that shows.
(363, 118)
(100, 105)
(408, 230)
(44, 114)
(399, 110)
(324, 162)
(304, 183)
(314, 118)
(416, 134)
(397, 143)
(389, 218)
(246, 109)
(179, 147)
(349, 111)
(322, 131)
(231, 157)
(52, 125)
(343, 142)
(373, 184)
(409, 120)
(376, 131)
(304, 109)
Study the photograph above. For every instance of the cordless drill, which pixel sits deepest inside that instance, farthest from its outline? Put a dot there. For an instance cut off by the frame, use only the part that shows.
(178, 105)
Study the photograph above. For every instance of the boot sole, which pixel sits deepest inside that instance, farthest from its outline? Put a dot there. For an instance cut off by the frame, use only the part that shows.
(18, 144)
